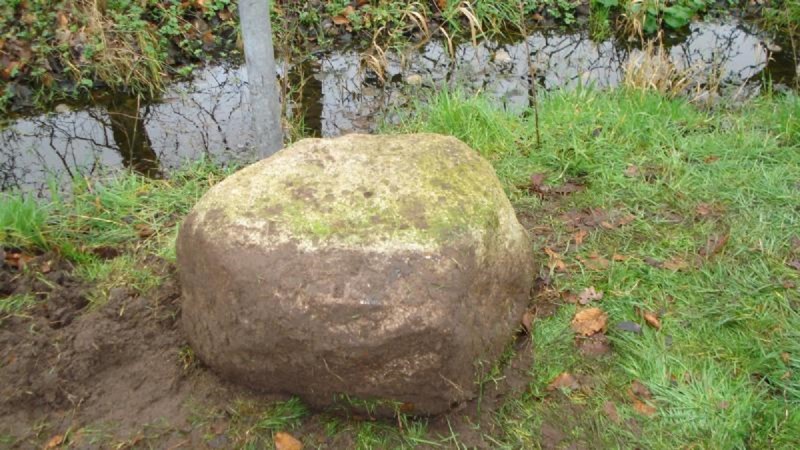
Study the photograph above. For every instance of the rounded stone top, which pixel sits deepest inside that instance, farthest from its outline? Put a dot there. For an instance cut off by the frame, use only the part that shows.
(360, 191)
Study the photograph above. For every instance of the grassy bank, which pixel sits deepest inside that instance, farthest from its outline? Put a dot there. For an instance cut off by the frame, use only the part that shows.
(683, 221)
(59, 50)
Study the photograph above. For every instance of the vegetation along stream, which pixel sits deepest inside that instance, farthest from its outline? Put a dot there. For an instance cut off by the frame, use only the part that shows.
(351, 89)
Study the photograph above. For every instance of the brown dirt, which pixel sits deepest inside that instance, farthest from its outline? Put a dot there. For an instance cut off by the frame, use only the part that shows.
(66, 365)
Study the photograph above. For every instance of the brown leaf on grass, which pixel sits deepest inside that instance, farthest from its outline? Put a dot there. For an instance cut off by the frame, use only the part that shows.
(555, 260)
(342, 18)
(639, 390)
(589, 321)
(714, 245)
(569, 297)
(589, 294)
(651, 319)
(595, 262)
(579, 236)
(619, 258)
(564, 380)
(794, 264)
(442, 4)
(593, 346)
(632, 171)
(644, 408)
(17, 260)
(625, 219)
(675, 263)
(640, 394)
(54, 442)
(143, 230)
(785, 357)
(711, 158)
(610, 410)
(285, 441)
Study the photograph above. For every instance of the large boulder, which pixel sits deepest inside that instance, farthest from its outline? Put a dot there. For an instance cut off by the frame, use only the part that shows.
(388, 270)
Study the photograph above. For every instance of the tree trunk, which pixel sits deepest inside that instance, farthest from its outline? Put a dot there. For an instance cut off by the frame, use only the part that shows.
(261, 75)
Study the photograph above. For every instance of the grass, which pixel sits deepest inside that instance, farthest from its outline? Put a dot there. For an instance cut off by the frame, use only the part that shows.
(109, 226)
(718, 369)
(723, 371)
(22, 221)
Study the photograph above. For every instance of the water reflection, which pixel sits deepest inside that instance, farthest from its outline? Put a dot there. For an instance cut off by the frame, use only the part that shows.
(208, 117)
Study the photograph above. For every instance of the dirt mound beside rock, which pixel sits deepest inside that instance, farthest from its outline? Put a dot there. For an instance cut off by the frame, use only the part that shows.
(68, 364)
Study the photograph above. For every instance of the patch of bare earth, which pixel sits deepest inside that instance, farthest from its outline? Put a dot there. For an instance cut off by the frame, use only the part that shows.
(66, 365)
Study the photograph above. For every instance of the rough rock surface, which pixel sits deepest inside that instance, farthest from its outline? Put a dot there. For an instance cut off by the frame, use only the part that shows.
(386, 270)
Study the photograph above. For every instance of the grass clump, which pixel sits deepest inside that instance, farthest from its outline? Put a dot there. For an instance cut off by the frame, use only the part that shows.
(109, 227)
(22, 221)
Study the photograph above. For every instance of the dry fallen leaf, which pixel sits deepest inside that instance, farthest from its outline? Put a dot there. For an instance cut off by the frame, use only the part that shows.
(610, 410)
(785, 357)
(652, 319)
(555, 260)
(564, 380)
(143, 230)
(595, 262)
(590, 294)
(644, 408)
(639, 390)
(675, 264)
(285, 441)
(632, 171)
(713, 245)
(579, 236)
(54, 442)
(589, 321)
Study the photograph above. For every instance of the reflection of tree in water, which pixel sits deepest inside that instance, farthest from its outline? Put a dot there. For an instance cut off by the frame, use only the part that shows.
(130, 136)
(205, 117)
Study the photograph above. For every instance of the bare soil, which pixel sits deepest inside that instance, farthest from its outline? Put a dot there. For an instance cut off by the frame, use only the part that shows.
(67, 365)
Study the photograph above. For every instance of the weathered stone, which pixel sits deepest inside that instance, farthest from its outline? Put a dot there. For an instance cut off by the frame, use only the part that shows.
(383, 268)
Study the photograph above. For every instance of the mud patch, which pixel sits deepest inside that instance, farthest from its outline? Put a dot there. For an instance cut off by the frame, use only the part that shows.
(65, 364)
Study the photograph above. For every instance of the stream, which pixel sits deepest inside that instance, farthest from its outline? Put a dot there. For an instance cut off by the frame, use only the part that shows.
(207, 117)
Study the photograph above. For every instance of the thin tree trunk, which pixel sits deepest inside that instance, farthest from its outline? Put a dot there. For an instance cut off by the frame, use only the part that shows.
(261, 75)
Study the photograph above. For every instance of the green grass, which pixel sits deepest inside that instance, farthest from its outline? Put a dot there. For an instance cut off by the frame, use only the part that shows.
(110, 226)
(724, 369)
(15, 304)
(22, 221)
